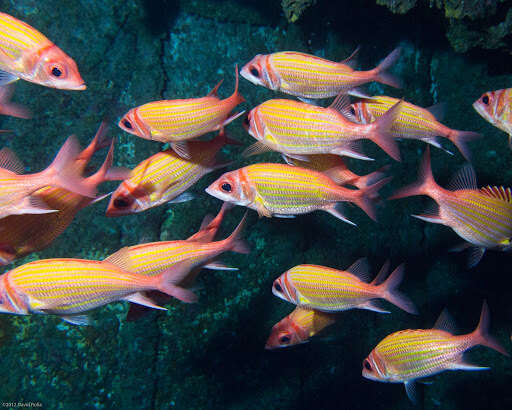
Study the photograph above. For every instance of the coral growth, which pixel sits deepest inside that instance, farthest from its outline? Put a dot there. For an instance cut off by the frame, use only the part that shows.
(294, 8)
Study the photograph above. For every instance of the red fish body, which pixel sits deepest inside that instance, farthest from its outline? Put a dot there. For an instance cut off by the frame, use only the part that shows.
(408, 355)
(27, 54)
(496, 107)
(481, 216)
(307, 76)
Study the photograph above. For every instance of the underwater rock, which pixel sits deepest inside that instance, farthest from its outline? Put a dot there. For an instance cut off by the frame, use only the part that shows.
(294, 8)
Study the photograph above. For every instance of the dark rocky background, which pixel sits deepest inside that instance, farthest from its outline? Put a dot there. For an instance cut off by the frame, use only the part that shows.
(211, 355)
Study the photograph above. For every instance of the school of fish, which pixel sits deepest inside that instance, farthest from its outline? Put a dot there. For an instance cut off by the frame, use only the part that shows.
(312, 139)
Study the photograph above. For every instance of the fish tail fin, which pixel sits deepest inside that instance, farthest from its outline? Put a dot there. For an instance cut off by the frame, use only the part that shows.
(366, 197)
(236, 96)
(64, 171)
(481, 334)
(107, 172)
(381, 71)
(425, 183)
(381, 134)
(370, 179)
(461, 138)
(389, 289)
(234, 242)
(166, 282)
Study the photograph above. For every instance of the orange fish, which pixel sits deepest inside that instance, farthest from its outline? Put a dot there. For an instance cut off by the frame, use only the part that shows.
(69, 288)
(285, 191)
(27, 54)
(307, 76)
(413, 122)
(482, 217)
(165, 176)
(175, 121)
(17, 191)
(298, 327)
(408, 355)
(331, 290)
(496, 107)
(295, 129)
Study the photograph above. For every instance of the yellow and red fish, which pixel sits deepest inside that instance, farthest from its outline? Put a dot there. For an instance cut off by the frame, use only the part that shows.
(69, 288)
(298, 327)
(165, 176)
(408, 355)
(332, 290)
(283, 190)
(295, 128)
(17, 191)
(480, 216)
(175, 121)
(413, 122)
(496, 107)
(307, 76)
(27, 54)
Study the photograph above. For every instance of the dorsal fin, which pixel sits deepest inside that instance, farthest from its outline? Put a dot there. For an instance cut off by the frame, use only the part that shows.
(464, 178)
(360, 269)
(122, 260)
(342, 104)
(437, 110)
(500, 192)
(351, 60)
(214, 91)
(377, 280)
(445, 322)
(10, 162)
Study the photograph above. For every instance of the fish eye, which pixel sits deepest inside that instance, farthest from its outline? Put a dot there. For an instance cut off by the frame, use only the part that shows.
(278, 287)
(122, 202)
(246, 120)
(127, 124)
(367, 365)
(485, 99)
(284, 339)
(254, 71)
(57, 71)
(226, 187)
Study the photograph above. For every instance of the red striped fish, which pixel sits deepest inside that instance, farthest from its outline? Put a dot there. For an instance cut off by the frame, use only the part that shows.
(27, 54)
(16, 190)
(308, 76)
(413, 122)
(331, 290)
(496, 107)
(295, 128)
(165, 176)
(298, 327)
(175, 121)
(69, 288)
(482, 217)
(285, 191)
(408, 355)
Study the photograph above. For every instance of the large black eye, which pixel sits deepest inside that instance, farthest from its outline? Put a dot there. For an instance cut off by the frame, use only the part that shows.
(226, 187)
(352, 110)
(122, 202)
(284, 340)
(127, 124)
(278, 287)
(255, 72)
(485, 99)
(367, 365)
(246, 121)
(56, 72)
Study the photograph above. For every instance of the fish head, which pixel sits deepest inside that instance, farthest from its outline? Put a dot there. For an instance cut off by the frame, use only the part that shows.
(133, 124)
(282, 288)
(374, 368)
(128, 199)
(486, 105)
(254, 125)
(231, 187)
(56, 69)
(258, 72)
(7, 297)
(360, 113)
(283, 334)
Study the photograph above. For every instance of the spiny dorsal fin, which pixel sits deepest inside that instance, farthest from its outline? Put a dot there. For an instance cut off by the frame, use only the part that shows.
(464, 178)
(213, 92)
(360, 269)
(445, 322)
(121, 259)
(499, 192)
(10, 162)
(351, 60)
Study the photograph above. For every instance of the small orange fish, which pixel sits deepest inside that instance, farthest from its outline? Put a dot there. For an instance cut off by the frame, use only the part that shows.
(408, 355)
(283, 190)
(307, 76)
(480, 216)
(175, 121)
(16, 190)
(27, 54)
(298, 327)
(165, 176)
(496, 107)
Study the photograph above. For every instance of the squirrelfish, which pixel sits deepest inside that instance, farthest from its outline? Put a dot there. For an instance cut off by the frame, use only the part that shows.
(332, 290)
(17, 191)
(481, 216)
(295, 128)
(298, 327)
(27, 54)
(308, 76)
(175, 121)
(165, 176)
(496, 107)
(283, 190)
(408, 355)
(413, 122)
(70, 287)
